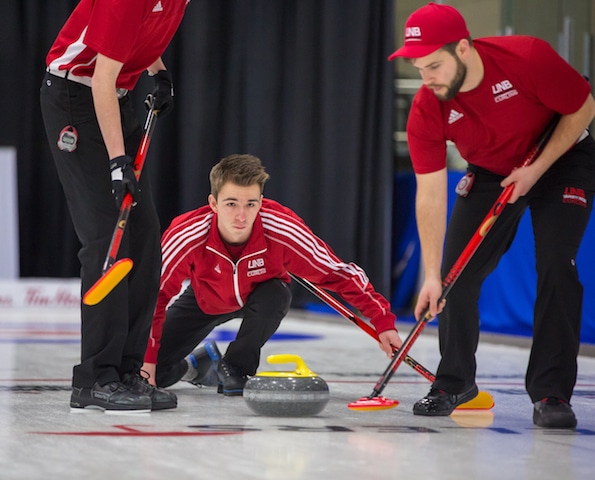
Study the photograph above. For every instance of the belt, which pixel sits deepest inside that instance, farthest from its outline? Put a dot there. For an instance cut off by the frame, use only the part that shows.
(65, 74)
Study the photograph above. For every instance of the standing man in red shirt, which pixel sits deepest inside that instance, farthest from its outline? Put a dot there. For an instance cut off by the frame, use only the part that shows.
(94, 133)
(237, 253)
(493, 97)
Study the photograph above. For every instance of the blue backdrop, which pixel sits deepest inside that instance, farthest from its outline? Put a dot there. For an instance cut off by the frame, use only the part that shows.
(508, 295)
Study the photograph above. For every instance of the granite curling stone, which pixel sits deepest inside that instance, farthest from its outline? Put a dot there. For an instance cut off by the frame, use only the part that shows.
(286, 394)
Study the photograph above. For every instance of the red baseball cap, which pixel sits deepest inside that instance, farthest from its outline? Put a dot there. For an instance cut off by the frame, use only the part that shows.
(430, 28)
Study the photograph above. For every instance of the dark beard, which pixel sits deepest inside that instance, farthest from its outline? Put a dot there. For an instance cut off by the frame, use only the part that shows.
(456, 83)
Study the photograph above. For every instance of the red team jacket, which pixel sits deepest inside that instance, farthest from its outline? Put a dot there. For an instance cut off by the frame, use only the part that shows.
(280, 243)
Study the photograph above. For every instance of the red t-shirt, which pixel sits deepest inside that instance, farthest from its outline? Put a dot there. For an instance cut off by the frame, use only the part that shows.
(134, 32)
(497, 123)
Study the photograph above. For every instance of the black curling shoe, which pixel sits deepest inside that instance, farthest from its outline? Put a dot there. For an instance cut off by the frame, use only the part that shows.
(231, 380)
(160, 399)
(551, 412)
(440, 403)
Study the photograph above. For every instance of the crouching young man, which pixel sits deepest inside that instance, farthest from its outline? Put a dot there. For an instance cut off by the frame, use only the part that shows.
(237, 252)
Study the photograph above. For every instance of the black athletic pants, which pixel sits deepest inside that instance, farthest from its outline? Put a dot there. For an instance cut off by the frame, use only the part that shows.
(186, 325)
(559, 219)
(114, 333)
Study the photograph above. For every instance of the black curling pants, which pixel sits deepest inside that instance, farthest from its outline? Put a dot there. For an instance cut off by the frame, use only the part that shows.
(186, 325)
(114, 333)
(560, 205)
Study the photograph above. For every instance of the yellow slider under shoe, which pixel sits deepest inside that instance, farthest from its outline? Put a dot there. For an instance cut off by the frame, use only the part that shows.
(483, 401)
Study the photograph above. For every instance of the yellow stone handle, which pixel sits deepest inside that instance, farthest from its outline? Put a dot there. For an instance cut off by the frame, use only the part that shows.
(301, 369)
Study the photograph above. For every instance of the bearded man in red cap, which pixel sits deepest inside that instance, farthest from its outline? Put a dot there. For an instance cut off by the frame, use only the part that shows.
(493, 97)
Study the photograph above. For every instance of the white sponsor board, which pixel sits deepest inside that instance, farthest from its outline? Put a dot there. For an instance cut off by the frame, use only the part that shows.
(40, 293)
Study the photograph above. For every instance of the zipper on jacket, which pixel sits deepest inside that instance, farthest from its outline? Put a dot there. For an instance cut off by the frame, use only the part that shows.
(235, 277)
(236, 283)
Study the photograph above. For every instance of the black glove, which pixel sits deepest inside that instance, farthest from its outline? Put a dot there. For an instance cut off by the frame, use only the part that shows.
(163, 93)
(123, 178)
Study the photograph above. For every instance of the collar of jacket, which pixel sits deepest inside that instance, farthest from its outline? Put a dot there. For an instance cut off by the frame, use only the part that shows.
(256, 243)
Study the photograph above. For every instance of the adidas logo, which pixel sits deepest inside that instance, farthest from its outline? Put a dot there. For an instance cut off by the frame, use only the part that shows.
(158, 7)
(453, 116)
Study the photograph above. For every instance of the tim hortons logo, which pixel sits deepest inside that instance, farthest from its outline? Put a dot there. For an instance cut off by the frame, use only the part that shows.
(412, 32)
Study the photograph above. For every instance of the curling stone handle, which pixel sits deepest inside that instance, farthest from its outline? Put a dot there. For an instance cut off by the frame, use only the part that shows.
(301, 369)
